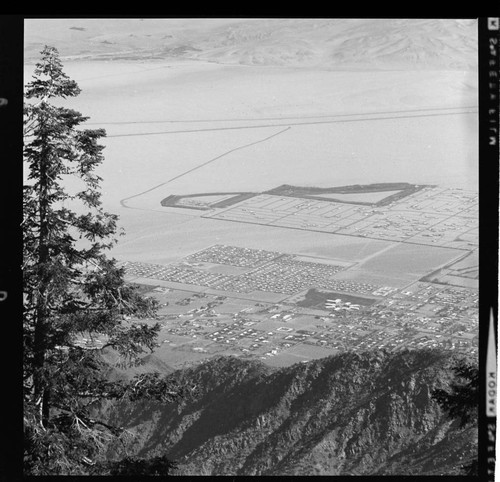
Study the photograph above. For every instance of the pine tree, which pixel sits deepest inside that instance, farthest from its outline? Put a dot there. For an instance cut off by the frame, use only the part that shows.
(72, 289)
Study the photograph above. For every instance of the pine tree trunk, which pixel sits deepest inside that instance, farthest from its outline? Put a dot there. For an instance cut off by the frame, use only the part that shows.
(42, 311)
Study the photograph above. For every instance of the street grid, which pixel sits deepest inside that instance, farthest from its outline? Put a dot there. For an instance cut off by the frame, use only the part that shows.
(437, 309)
(441, 217)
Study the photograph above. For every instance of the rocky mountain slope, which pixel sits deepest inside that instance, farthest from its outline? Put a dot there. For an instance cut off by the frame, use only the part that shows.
(312, 43)
(350, 414)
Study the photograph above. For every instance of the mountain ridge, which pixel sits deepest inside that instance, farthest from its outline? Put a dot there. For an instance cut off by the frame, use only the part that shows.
(322, 44)
(357, 414)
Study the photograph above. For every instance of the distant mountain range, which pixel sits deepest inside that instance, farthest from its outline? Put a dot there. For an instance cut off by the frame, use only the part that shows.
(350, 414)
(310, 43)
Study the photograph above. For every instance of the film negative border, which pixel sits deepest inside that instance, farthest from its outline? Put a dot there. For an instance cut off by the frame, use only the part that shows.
(488, 57)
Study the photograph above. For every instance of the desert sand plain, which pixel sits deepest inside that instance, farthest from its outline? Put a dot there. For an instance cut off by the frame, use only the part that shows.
(195, 127)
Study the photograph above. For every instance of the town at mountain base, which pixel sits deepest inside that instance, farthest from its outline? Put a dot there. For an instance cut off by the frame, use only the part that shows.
(366, 413)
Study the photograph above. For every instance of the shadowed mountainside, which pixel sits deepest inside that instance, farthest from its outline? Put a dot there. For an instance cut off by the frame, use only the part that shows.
(350, 414)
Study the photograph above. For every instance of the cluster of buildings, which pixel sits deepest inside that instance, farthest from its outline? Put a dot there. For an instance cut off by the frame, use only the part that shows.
(288, 275)
(234, 256)
(420, 315)
(271, 272)
(397, 322)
